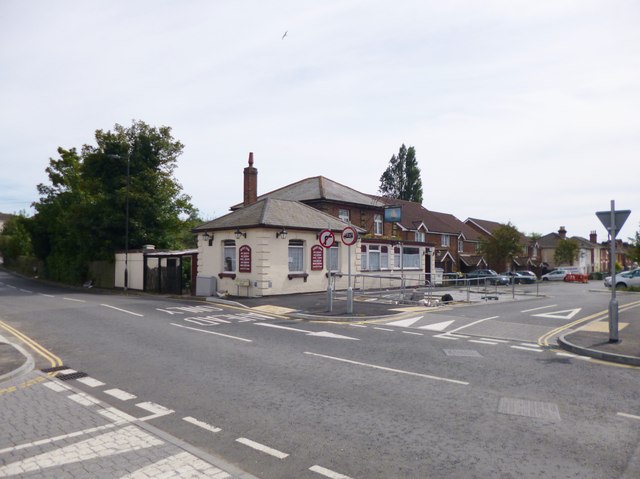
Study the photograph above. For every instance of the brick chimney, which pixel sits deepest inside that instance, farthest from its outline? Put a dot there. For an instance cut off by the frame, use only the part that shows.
(562, 232)
(593, 237)
(250, 183)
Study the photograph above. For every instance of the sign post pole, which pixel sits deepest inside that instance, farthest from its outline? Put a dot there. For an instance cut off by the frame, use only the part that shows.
(613, 221)
(349, 238)
(326, 241)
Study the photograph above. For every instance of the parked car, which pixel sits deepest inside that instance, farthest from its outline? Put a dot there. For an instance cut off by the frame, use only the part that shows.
(521, 277)
(555, 275)
(625, 279)
(481, 276)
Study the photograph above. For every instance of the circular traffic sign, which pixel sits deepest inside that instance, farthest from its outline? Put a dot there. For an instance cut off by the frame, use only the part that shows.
(326, 238)
(349, 236)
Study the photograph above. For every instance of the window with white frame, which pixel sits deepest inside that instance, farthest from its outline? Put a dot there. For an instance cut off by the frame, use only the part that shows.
(377, 224)
(444, 240)
(229, 256)
(333, 258)
(296, 256)
(411, 257)
(406, 257)
(420, 236)
(460, 245)
(374, 257)
(343, 214)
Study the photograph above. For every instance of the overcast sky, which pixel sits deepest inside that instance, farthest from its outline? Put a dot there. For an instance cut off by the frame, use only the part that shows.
(521, 111)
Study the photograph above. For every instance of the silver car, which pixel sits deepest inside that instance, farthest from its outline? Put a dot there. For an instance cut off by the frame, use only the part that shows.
(555, 275)
(625, 279)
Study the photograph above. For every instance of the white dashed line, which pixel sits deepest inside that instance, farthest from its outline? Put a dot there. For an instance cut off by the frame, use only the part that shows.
(479, 341)
(527, 349)
(120, 394)
(211, 332)
(382, 368)
(262, 448)
(201, 424)
(471, 324)
(328, 472)
(630, 416)
(91, 382)
(123, 310)
(155, 409)
(383, 329)
(26, 290)
(47, 295)
(446, 336)
(54, 386)
(67, 371)
(411, 332)
(76, 300)
(494, 340)
(357, 325)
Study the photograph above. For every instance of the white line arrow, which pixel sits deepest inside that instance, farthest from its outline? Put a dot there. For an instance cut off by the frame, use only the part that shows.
(321, 334)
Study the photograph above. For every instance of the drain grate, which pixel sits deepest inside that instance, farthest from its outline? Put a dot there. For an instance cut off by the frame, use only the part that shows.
(534, 409)
(66, 377)
(469, 353)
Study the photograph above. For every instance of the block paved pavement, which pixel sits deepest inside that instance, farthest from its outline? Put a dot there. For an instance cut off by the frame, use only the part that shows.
(49, 429)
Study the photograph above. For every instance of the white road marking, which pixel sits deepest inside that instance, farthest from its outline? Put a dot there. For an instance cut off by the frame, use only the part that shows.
(26, 290)
(120, 394)
(47, 295)
(537, 309)
(630, 416)
(564, 314)
(383, 329)
(566, 355)
(437, 326)
(526, 349)
(494, 340)
(54, 386)
(50, 440)
(328, 472)
(201, 424)
(411, 332)
(155, 409)
(262, 448)
(115, 415)
(405, 322)
(323, 334)
(446, 336)
(12, 287)
(67, 371)
(211, 332)
(129, 438)
(479, 341)
(383, 368)
(357, 325)
(76, 300)
(471, 324)
(181, 464)
(84, 399)
(91, 382)
(530, 345)
(123, 310)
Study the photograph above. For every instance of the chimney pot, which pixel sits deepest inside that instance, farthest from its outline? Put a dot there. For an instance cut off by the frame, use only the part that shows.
(250, 183)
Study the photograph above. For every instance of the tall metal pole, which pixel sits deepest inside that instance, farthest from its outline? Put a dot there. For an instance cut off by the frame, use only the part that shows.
(349, 288)
(613, 304)
(126, 230)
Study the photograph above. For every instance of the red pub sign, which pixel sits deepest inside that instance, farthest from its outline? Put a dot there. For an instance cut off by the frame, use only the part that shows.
(244, 259)
(317, 258)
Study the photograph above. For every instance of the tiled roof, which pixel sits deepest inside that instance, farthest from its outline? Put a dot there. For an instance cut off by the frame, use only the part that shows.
(486, 225)
(276, 213)
(414, 213)
(319, 188)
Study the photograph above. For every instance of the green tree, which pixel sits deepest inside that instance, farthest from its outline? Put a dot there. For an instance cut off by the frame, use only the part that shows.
(566, 252)
(634, 248)
(15, 240)
(503, 244)
(81, 215)
(401, 179)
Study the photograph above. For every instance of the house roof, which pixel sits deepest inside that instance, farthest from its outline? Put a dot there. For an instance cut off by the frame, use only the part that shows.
(490, 226)
(319, 188)
(414, 214)
(277, 213)
(472, 259)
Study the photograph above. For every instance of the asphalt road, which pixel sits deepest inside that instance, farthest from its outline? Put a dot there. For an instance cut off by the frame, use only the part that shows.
(467, 392)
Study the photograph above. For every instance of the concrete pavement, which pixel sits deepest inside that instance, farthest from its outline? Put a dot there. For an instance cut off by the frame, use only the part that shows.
(50, 429)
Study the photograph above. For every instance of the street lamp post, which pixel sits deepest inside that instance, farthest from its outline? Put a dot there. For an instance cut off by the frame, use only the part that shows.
(126, 230)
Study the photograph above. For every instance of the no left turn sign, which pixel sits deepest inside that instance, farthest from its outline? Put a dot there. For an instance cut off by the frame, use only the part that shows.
(326, 239)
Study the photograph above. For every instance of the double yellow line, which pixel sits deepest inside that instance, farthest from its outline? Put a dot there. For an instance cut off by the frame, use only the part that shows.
(54, 360)
(544, 339)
